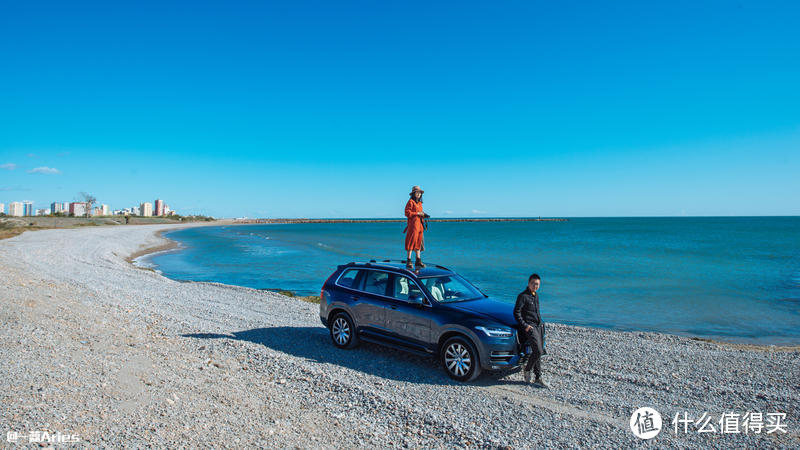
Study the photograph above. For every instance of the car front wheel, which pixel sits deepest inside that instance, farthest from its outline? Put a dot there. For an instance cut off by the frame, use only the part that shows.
(459, 359)
(343, 333)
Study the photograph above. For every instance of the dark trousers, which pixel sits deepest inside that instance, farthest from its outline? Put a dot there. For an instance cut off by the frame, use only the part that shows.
(535, 363)
(534, 359)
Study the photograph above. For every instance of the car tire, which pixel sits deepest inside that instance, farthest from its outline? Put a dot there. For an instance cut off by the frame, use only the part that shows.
(460, 359)
(343, 332)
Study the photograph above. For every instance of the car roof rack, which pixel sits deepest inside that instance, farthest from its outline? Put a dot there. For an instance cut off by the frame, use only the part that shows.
(400, 261)
(372, 262)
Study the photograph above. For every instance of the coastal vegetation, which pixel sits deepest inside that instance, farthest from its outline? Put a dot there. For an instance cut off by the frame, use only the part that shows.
(10, 229)
(306, 298)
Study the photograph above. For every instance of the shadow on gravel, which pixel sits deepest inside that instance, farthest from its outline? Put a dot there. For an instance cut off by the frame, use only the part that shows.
(313, 343)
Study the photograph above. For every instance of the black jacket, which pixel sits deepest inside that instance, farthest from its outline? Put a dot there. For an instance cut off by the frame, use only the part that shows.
(526, 312)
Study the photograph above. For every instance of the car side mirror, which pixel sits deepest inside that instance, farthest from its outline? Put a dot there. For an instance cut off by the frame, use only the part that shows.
(415, 300)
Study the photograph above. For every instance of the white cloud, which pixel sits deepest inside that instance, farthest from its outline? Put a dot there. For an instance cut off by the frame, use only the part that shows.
(32, 155)
(45, 170)
(8, 166)
(476, 211)
(448, 212)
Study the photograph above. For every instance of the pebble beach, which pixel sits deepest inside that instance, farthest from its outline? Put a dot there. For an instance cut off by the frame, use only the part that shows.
(113, 355)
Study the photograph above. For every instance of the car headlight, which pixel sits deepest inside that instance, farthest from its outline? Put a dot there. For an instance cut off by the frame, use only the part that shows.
(496, 331)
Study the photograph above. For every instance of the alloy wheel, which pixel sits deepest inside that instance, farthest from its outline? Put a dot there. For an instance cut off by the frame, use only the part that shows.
(457, 359)
(341, 331)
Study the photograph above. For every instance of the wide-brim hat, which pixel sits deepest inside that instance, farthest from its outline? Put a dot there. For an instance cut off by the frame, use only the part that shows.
(417, 189)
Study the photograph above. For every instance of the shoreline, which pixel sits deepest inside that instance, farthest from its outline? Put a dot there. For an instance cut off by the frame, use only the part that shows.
(167, 246)
(171, 244)
(120, 356)
(387, 220)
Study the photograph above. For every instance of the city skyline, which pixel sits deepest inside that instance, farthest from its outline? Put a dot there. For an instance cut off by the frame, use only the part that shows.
(301, 109)
(27, 208)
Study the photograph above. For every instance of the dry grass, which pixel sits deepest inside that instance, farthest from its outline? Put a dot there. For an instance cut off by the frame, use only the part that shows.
(305, 298)
(11, 231)
(6, 233)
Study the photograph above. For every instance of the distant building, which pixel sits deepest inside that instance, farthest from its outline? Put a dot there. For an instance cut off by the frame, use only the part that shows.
(42, 212)
(58, 207)
(77, 209)
(27, 208)
(2, 208)
(104, 210)
(146, 209)
(15, 209)
(159, 207)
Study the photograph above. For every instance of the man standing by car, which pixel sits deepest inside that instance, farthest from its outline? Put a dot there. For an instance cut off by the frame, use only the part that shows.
(526, 312)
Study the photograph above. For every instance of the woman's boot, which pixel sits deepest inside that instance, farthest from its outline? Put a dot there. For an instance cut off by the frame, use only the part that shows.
(408, 263)
(419, 263)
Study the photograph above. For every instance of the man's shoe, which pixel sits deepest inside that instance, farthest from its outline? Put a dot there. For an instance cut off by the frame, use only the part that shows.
(526, 374)
(539, 382)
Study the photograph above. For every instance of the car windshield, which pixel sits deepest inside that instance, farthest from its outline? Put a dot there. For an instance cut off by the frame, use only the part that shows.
(450, 288)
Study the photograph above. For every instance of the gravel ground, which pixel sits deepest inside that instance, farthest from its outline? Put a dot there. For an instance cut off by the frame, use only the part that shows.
(120, 356)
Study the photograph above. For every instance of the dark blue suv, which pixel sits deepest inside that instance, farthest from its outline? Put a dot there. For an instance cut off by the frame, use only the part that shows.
(429, 311)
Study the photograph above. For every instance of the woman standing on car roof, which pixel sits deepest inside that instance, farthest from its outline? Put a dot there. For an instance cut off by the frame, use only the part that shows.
(416, 226)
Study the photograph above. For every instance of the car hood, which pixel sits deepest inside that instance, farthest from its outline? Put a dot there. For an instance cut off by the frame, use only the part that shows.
(497, 310)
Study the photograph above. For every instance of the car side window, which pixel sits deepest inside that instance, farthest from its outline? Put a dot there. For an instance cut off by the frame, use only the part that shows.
(435, 287)
(403, 288)
(348, 279)
(376, 282)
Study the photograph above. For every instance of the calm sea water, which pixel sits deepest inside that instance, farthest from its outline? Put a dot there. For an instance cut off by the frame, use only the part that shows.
(735, 279)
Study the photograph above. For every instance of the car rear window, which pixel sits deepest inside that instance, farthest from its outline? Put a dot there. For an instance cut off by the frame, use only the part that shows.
(376, 282)
(348, 278)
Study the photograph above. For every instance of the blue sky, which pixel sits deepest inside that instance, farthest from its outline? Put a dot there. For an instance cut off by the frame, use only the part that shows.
(335, 109)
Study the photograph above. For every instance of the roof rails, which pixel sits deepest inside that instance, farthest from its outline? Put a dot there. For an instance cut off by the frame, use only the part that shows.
(375, 261)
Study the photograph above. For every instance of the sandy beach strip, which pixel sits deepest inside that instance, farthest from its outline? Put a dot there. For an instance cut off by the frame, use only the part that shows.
(113, 355)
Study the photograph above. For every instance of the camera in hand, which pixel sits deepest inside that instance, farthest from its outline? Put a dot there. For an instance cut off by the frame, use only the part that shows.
(426, 216)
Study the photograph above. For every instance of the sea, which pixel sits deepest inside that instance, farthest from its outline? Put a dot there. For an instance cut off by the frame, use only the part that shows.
(727, 278)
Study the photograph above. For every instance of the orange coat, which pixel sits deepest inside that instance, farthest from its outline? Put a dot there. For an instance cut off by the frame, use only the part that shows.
(414, 240)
